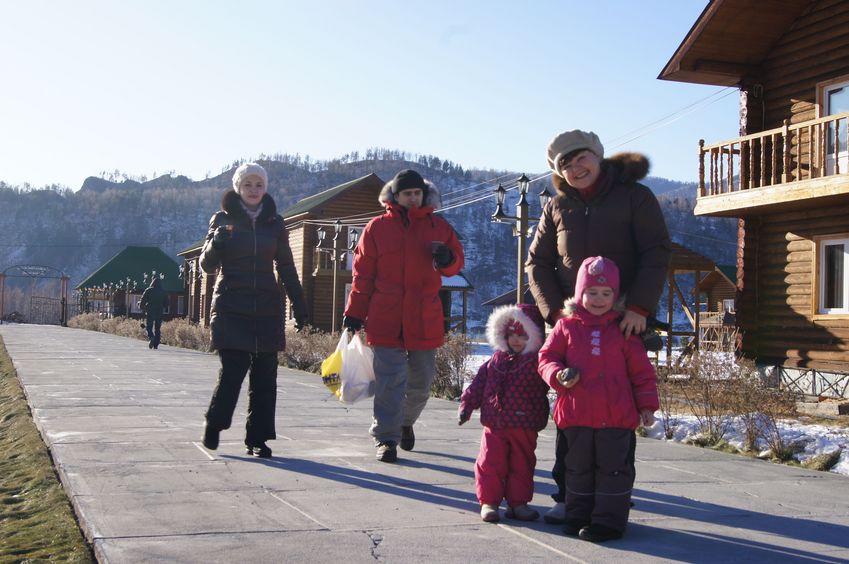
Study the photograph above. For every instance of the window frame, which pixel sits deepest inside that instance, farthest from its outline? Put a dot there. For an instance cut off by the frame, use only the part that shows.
(820, 310)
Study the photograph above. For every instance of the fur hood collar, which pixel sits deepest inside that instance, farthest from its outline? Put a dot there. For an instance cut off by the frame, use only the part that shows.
(231, 203)
(496, 329)
(623, 168)
(431, 199)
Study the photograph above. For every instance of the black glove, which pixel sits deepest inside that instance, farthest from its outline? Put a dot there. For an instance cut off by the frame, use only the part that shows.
(463, 416)
(222, 233)
(566, 375)
(352, 324)
(652, 341)
(301, 323)
(442, 255)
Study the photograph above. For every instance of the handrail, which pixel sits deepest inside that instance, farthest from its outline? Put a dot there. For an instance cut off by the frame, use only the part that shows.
(804, 150)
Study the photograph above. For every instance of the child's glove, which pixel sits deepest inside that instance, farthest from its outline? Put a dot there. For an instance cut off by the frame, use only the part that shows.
(463, 416)
(647, 417)
(568, 377)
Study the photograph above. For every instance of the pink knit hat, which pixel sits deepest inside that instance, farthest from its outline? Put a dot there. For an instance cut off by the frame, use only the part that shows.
(597, 271)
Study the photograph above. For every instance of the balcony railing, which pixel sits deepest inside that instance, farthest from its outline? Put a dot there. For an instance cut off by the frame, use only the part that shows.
(802, 151)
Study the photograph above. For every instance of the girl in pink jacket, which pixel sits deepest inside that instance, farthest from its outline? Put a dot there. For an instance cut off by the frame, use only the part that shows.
(514, 408)
(606, 387)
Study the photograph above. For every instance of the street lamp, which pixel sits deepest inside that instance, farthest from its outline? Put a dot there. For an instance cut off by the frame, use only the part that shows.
(520, 225)
(334, 256)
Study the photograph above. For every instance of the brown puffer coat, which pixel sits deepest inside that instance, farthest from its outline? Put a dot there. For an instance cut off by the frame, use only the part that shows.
(247, 304)
(622, 222)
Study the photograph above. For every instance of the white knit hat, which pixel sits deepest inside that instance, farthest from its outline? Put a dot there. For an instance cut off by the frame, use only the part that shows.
(248, 169)
(570, 141)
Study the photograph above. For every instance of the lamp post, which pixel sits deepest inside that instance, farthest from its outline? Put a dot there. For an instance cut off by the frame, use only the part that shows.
(520, 227)
(333, 251)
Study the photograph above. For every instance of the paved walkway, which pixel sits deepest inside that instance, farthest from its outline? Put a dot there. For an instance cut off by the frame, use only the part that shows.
(123, 424)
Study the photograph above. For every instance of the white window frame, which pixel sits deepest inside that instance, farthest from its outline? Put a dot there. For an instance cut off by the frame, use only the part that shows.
(821, 275)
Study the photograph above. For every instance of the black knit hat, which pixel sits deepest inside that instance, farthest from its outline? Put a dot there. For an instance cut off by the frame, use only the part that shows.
(407, 179)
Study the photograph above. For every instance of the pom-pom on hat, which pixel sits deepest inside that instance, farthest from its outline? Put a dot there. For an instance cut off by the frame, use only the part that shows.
(246, 170)
(407, 179)
(570, 141)
(597, 271)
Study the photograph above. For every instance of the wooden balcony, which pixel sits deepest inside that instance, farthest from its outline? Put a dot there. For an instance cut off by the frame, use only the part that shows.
(794, 166)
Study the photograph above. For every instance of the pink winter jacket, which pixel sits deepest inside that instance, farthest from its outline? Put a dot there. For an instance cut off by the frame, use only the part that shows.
(617, 379)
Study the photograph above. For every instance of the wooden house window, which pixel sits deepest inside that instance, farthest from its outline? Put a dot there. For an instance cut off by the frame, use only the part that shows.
(181, 305)
(833, 98)
(833, 274)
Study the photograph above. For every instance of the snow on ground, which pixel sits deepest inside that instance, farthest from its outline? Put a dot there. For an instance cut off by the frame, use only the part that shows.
(818, 439)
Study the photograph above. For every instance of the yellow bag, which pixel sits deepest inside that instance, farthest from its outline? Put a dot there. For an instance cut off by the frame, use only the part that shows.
(331, 367)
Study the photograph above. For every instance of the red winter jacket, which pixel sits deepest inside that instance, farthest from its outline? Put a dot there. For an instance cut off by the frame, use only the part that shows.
(395, 289)
(617, 379)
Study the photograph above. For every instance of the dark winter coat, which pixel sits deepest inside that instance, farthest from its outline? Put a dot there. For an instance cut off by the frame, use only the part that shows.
(395, 288)
(507, 388)
(617, 379)
(154, 300)
(247, 305)
(622, 222)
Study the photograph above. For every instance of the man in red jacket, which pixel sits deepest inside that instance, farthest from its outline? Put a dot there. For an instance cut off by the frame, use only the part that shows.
(398, 267)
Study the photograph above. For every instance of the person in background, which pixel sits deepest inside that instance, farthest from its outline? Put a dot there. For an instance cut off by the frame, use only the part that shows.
(600, 209)
(247, 244)
(153, 302)
(606, 387)
(398, 266)
(513, 400)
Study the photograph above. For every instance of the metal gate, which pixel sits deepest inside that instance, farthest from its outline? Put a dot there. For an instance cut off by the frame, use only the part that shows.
(45, 311)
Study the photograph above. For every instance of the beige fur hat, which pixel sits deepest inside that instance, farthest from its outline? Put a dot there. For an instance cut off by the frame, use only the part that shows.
(248, 169)
(570, 141)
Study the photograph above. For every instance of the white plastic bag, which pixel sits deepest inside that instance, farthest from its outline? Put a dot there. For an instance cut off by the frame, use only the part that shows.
(357, 379)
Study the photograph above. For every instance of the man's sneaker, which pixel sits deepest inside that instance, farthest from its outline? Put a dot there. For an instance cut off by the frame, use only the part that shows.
(210, 437)
(489, 513)
(386, 452)
(556, 515)
(408, 438)
(599, 533)
(522, 513)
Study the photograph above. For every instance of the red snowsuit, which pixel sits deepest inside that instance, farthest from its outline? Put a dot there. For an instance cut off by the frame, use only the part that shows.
(599, 412)
(514, 407)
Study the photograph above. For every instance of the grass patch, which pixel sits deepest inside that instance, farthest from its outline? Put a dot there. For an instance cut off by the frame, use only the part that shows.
(823, 462)
(36, 521)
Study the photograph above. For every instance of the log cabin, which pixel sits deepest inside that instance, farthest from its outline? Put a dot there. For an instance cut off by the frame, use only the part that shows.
(784, 177)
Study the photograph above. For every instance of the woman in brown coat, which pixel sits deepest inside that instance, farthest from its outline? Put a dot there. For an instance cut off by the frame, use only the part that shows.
(600, 209)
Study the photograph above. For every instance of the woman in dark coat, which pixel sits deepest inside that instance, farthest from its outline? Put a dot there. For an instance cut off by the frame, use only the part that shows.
(246, 244)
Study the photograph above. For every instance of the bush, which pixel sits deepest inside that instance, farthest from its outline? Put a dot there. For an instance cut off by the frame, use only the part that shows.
(709, 391)
(306, 350)
(451, 369)
(181, 332)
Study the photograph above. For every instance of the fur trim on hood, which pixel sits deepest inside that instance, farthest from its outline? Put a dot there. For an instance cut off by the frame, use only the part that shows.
(625, 168)
(496, 329)
(231, 203)
(431, 198)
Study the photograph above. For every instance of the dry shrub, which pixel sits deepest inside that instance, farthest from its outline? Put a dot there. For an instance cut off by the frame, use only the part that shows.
(451, 369)
(306, 350)
(181, 332)
(708, 392)
(775, 404)
(87, 321)
(823, 462)
(124, 327)
(668, 392)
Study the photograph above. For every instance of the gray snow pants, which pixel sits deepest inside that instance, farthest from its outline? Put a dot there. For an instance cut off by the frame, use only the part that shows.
(402, 388)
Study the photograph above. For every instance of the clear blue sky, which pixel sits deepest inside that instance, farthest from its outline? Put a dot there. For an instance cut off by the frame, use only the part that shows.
(190, 86)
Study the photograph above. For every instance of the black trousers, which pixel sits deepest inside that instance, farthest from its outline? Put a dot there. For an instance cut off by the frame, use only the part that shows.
(558, 471)
(153, 326)
(262, 393)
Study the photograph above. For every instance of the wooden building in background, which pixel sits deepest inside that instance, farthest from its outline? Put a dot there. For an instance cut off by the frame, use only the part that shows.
(784, 178)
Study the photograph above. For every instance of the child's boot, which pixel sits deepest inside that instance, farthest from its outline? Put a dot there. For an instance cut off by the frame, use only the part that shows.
(489, 513)
(522, 513)
(556, 515)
